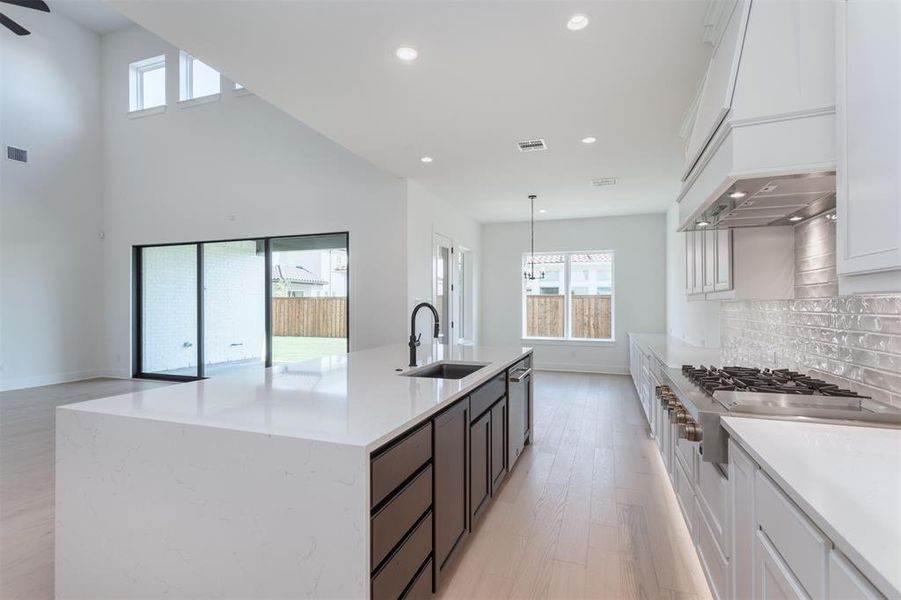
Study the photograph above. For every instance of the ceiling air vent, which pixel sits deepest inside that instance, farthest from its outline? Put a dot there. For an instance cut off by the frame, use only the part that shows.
(13, 153)
(531, 145)
(603, 181)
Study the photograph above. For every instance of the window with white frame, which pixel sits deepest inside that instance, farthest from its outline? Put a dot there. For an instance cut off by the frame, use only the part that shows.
(570, 297)
(147, 83)
(196, 78)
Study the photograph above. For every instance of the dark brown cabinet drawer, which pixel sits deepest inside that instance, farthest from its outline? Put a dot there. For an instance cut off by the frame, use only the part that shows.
(481, 399)
(422, 587)
(396, 518)
(392, 466)
(394, 577)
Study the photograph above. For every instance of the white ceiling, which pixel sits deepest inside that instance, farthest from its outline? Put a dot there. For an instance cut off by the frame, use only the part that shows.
(95, 15)
(489, 74)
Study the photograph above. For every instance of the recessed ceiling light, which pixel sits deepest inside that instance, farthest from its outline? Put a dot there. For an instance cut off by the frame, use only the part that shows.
(426, 159)
(589, 140)
(577, 22)
(406, 53)
(796, 218)
(702, 223)
(542, 210)
(738, 195)
(832, 217)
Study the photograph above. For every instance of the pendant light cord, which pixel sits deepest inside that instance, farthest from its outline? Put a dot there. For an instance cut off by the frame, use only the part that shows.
(532, 228)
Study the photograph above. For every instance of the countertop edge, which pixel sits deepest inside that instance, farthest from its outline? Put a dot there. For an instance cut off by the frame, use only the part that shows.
(433, 410)
(857, 559)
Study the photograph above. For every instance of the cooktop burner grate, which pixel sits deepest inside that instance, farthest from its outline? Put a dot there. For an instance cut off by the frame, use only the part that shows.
(775, 381)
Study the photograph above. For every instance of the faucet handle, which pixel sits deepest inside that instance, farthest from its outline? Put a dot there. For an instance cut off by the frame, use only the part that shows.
(418, 338)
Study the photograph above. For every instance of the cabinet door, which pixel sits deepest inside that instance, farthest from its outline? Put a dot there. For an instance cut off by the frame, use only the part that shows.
(479, 465)
(698, 256)
(846, 582)
(689, 261)
(868, 113)
(722, 279)
(772, 578)
(710, 243)
(498, 443)
(450, 466)
(743, 522)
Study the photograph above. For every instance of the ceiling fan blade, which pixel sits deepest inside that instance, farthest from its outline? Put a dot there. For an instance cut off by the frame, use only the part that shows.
(32, 4)
(12, 25)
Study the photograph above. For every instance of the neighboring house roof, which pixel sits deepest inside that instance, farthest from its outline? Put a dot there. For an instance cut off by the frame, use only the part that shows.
(293, 274)
(552, 259)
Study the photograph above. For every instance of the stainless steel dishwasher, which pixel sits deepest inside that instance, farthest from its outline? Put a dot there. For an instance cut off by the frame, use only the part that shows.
(520, 398)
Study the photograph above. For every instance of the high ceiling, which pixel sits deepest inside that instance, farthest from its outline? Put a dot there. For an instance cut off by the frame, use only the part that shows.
(488, 74)
(92, 14)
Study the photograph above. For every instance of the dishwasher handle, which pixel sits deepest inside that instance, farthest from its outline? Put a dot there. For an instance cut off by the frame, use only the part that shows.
(519, 375)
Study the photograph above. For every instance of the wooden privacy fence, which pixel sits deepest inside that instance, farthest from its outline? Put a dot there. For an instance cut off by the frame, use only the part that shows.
(591, 316)
(309, 317)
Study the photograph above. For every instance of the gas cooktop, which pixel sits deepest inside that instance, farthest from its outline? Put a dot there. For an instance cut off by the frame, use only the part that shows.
(749, 379)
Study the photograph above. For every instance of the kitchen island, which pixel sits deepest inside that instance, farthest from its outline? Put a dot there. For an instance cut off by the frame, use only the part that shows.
(288, 481)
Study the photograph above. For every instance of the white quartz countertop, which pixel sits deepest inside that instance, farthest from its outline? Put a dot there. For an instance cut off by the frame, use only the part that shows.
(674, 352)
(357, 399)
(846, 479)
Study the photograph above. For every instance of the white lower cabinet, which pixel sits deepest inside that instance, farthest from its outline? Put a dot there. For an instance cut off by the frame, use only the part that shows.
(743, 525)
(773, 579)
(712, 490)
(846, 582)
(685, 496)
(799, 542)
(713, 560)
(776, 551)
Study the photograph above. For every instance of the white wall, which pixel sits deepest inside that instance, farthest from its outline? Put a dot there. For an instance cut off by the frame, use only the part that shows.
(238, 167)
(427, 215)
(639, 284)
(50, 251)
(696, 322)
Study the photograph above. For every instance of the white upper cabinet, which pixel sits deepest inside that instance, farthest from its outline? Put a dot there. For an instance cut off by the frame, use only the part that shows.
(722, 279)
(868, 177)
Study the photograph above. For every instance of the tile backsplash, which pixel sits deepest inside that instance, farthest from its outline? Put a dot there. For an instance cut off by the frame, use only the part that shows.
(852, 341)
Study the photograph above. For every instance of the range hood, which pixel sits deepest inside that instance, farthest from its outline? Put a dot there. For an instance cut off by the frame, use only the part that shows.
(770, 201)
(760, 135)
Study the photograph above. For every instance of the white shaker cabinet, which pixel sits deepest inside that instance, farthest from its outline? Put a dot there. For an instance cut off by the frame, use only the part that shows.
(846, 582)
(708, 262)
(722, 263)
(868, 174)
(742, 471)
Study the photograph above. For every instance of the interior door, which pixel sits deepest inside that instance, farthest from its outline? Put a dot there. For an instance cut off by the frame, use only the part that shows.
(443, 286)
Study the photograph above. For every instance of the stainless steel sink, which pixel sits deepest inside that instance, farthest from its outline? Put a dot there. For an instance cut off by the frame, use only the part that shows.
(445, 370)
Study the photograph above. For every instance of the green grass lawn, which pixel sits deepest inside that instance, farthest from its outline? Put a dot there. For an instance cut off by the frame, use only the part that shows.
(295, 349)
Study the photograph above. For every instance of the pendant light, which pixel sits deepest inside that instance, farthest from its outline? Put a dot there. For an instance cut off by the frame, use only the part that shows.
(530, 272)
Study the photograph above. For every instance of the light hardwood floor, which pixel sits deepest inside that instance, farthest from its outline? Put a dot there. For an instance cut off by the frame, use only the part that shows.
(26, 480)
(586, 513)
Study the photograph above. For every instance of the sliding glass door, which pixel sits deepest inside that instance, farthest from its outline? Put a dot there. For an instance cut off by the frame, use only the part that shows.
(234, 306)
(167, 295)
(309, 297)
(207, 308)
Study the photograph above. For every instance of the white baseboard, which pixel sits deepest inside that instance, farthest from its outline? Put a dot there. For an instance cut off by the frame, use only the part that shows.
(19, 383)
(571, 368)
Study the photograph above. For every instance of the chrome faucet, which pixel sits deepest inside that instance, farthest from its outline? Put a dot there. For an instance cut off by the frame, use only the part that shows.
(414, 339)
